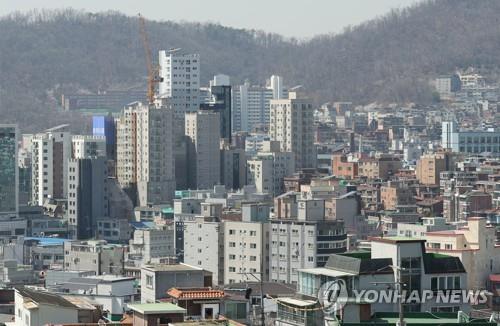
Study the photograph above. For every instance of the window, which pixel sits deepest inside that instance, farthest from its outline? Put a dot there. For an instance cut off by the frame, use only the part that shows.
(149, 281)
(232, 232)
(232, 244)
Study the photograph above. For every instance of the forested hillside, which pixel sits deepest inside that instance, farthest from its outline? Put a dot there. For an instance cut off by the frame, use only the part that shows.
(390, 58)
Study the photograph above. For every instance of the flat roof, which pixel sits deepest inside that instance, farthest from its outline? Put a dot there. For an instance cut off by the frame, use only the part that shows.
(395, 239)
(156, 308)
(297, 302)
(45, 241)
(326, 272)
(171, 268)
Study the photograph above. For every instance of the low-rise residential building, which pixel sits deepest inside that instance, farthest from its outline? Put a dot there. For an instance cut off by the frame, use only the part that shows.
(396, 194)
(150, 243)
(419, 230)
(245, 251)
(297, 244)
(204, 246)
(474, 244)
(161, 313)
(94, 255)
(379, 168)
(342, 167)
(157, 279)
(34, 308)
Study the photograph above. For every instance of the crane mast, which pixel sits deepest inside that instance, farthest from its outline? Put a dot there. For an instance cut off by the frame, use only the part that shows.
(153, 77)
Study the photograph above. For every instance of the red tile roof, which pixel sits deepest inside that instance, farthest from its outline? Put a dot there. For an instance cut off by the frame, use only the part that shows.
(195, 293)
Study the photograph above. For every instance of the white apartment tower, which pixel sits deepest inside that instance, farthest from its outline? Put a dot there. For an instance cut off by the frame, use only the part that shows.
(145, 158)
(180, 83)
(203, 131)
(50, 153)
(291, 123)
(250, 104)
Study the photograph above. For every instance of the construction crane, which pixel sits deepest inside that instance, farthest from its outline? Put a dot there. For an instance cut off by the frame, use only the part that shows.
(153, 77)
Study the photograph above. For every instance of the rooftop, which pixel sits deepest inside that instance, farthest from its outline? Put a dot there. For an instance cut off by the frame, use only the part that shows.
(156, 308)
(419, 318)
(171, 268)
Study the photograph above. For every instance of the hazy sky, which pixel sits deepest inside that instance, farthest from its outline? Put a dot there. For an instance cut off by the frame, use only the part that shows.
(299, 18)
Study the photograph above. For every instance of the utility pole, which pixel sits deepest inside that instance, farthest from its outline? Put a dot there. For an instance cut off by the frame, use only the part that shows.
(261, 284)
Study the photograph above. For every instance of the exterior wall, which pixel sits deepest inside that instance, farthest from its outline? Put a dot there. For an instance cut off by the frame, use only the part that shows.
(233, 168)
(380, 168)
(87, 200)
(342, 168)
(469, 141)
(180, 85)
(429, 168)
(251, 104)
(203, 130)
(474, 245)
(9, 172)
(44, 315)
(151, 243)
(50, 153)
(145, 152)
(244, 251)
(297, 245)
(93, 256)
(84, 146)
(392, 196)
(203, 247)
(162, 281)
(291, 123)
(311, 209)
(267, 170)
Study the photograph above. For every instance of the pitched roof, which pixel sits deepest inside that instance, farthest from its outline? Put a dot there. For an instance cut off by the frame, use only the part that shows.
(40, 297)
(437, 264)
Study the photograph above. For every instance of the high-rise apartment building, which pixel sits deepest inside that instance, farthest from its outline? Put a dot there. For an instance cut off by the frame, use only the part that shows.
(104, 126)
(145, 159)
(51, 151)
(291, 123)
(180, 83)
(203, 133)
(233, 166)
(85, 146)
(268, 168)
(87, 198)
(9, 175)
(250, 104)
(220, 102)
